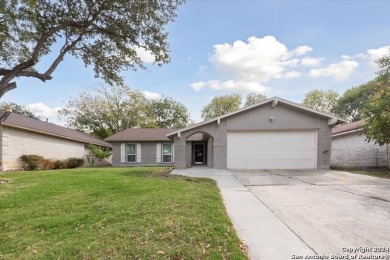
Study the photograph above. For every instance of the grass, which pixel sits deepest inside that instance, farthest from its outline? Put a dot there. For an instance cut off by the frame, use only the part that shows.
(381, 173)
(374, 173)
(113, 213)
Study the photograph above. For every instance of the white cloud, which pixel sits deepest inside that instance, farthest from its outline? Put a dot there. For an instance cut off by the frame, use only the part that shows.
(43, 110)
(231, 85)
(302, 50)
(347, 57)
(258, 60)
(247, 66)
(311, 62)
(151, 95)
(292, 74)
(338, 71)
(375, 54)
(197, 86)
(145, 55)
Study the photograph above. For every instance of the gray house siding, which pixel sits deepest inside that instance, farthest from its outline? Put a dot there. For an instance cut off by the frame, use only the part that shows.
(353, 151)
(148, 154)
(256, 119)
(285, 117)
(216, 147)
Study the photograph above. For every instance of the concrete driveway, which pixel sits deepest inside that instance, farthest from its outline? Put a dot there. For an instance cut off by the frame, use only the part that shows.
(291, 214)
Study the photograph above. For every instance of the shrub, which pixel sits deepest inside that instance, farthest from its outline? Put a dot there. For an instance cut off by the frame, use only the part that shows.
(74, 162)
(59, 164)
(31, 161)
(36, 162)
(47, 164)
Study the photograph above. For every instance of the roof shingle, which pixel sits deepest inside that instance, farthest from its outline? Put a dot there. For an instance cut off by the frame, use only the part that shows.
(20, 121)
(141, 134)
(347, 127)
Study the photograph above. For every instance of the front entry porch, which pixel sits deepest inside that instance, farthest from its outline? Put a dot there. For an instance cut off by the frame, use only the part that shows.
(199, 150)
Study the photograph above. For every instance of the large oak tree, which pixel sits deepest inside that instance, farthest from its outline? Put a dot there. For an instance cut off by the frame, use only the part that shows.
(221, 105)
(103, 33)
(322, 100)
(105, 110)
(377, 111)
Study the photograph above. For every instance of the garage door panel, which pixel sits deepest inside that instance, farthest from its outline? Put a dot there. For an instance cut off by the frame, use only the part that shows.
(272, 150)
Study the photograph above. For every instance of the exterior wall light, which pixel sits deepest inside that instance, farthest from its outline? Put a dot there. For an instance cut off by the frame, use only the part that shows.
(272, 119)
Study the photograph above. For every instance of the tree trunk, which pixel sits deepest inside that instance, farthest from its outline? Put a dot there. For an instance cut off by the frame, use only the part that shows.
(5, 88)
(388, 156)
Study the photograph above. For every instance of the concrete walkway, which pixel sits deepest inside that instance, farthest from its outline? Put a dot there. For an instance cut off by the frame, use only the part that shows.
(266, 236)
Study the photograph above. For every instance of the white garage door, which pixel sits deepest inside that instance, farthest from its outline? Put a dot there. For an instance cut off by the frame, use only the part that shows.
(272, 150)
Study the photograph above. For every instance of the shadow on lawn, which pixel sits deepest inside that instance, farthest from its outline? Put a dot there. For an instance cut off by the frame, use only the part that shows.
(165, 174)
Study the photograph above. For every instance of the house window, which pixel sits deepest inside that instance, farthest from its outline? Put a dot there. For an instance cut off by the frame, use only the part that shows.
(131, 153)
(167, 153)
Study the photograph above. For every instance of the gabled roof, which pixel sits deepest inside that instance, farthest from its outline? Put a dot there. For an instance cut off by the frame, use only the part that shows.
(275, 100)
(141, 134)
(348, 128)
(19, 121)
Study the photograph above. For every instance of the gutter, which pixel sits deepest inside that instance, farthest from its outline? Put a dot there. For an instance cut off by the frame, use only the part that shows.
(347, 132)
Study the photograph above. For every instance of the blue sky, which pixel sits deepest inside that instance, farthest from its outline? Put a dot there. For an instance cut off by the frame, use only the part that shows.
(278, 48)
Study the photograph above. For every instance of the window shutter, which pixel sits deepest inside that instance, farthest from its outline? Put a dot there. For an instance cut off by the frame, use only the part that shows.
(158, 153)
(123, 153)
(173, 153)
(138, 152)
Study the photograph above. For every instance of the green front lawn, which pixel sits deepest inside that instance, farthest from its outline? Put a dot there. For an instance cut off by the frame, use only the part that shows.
(113, 213)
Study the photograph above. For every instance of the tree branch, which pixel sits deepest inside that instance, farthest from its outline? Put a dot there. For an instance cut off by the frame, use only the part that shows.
(5, 88)
(60, 57)
(33, 74)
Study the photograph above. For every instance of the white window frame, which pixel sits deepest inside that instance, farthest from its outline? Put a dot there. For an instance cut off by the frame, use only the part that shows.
(135, 153)
(162, 152)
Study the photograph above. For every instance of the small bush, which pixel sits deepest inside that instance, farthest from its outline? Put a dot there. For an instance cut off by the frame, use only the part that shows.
(37, 162)
(31, 161)
(74, 162)
(59, 164)
(47, 164)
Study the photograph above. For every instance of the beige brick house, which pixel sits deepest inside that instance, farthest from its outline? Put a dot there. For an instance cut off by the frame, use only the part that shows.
(350, 148)
(22, 135)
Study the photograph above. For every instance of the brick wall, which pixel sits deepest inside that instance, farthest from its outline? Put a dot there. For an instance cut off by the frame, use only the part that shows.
(16, 142)
(353, 151)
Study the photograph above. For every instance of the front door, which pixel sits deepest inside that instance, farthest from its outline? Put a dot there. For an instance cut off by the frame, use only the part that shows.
(199, 153)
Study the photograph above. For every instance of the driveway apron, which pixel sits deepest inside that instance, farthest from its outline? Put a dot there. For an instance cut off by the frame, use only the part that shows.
(266, 236)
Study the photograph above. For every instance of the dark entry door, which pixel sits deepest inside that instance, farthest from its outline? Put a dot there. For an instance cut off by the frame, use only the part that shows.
(199, 153)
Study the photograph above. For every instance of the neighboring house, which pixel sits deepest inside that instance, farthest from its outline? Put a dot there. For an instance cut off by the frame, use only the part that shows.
(351, 150)
(22, 135)
(142, 147)
(273, 134)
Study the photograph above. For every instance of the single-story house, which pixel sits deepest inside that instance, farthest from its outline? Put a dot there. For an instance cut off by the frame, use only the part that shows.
(144, 147)
(350, 149)
(22, 135)
(273, 134)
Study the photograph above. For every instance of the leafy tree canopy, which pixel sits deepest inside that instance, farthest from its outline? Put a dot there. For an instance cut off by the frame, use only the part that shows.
(22, 110)
(221, 105)
(104, 34)
(105, 110)
(97, 152)
(377, 111)
(323, 100)
(350, 104)
(253, 98)
(167, 113)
